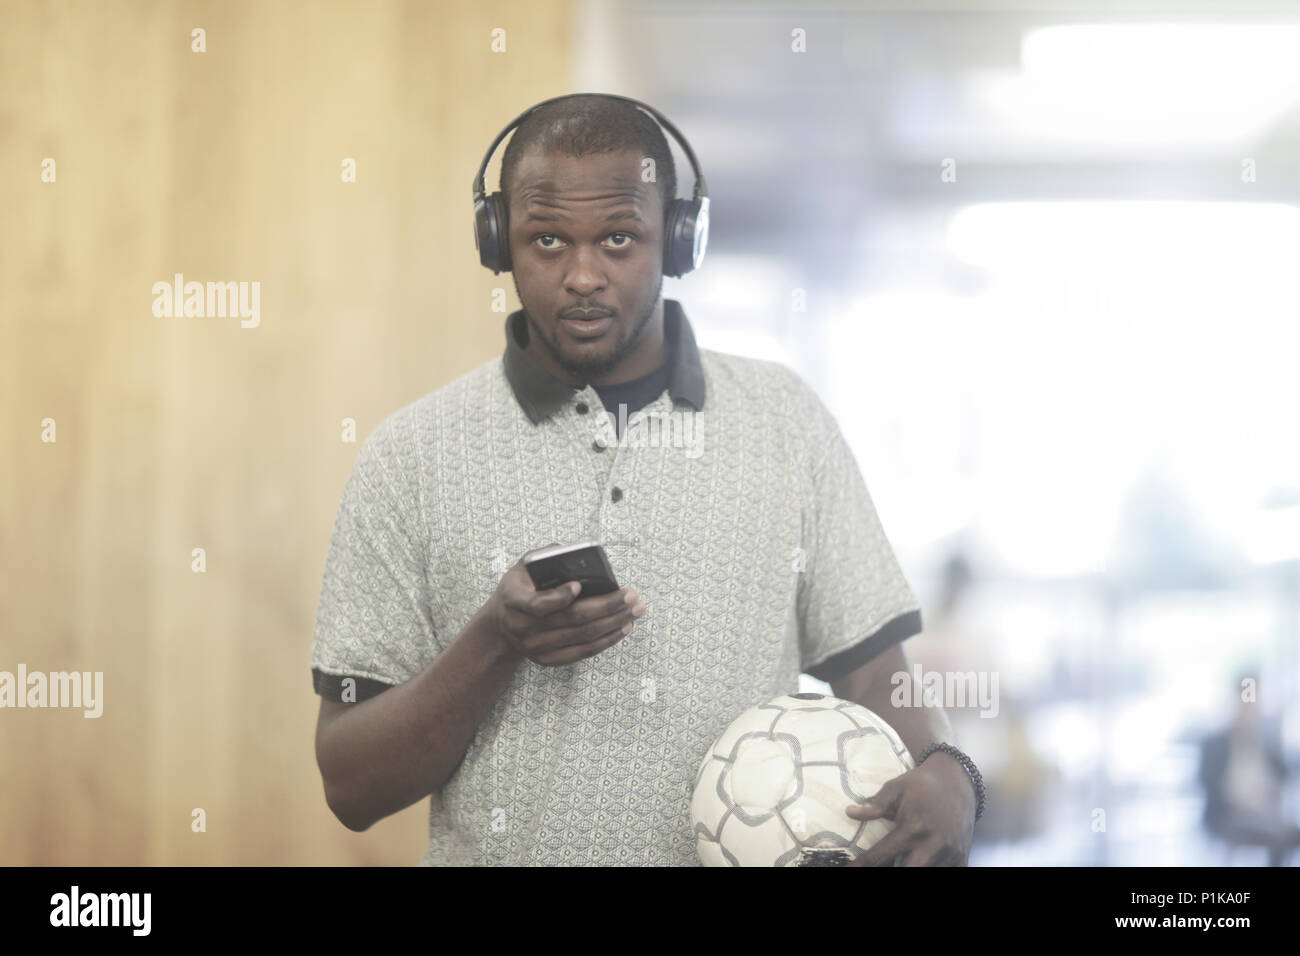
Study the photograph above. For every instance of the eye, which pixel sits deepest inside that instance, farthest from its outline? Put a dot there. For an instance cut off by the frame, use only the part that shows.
(626, 235)
(547, 236)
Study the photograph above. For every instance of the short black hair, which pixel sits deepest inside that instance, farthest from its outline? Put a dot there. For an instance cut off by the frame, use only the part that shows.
(587, 124)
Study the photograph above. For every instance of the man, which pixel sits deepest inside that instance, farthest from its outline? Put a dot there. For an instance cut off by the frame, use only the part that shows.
(1244, 773)
(545, 728)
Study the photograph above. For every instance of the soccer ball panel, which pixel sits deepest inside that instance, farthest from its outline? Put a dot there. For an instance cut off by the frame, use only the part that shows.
(763, 774)
(816, 729)
(755, 720)
(869, 761)
(753, 844)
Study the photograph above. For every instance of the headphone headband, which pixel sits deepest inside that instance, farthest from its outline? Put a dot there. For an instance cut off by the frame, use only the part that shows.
(686, 221)
(701, 187)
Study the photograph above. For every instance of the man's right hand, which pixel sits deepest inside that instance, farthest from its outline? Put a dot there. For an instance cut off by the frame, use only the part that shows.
(555, 627)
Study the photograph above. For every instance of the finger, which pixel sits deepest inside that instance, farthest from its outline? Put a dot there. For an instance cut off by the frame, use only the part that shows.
(882, 805)
(577, 652)
(527, 600)
(955, 855)
(925, 854)
(520, 582)
(588, 609)
(899, 840)
(544, 641)
(542, 603)
(867, 811)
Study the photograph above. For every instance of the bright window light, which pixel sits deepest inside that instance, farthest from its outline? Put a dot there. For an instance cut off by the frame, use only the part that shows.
(1151, 84)
(1273, 535)
(1061, 236)
(1113, 342)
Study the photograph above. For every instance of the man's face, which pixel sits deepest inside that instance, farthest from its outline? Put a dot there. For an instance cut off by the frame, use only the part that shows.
(586, 234)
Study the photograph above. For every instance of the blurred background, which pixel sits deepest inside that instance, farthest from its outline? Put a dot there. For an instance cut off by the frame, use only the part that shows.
(1038, 258)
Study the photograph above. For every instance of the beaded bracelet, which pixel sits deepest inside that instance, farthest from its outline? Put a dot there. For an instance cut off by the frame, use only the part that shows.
(967, 764)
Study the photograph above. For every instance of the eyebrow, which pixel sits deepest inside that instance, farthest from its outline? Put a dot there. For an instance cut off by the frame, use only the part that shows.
(622, 214)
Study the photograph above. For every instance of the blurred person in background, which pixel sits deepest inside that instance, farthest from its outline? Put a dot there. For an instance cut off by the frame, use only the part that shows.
(1244, 775)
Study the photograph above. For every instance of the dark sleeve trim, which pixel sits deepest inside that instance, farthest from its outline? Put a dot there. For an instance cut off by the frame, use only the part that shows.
(847, 661)
(330, 686)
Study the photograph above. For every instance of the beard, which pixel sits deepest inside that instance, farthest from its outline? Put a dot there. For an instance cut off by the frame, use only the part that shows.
(629, 337)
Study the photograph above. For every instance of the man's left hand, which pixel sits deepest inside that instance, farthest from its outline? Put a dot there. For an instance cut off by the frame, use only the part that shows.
(933, 809)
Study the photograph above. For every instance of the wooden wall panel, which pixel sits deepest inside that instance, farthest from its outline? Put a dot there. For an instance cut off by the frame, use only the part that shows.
(181, 433)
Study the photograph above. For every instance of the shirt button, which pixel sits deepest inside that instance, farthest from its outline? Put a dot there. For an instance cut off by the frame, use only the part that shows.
(582, 408)
(597, 446)
(616, 494)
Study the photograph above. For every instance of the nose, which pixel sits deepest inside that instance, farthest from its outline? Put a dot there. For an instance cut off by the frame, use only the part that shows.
(586, 278)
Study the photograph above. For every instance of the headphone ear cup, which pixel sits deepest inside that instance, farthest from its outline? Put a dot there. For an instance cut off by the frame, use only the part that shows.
(491, 234)
(686, 235)
(672, 239)
(503, 231)
(483, 232)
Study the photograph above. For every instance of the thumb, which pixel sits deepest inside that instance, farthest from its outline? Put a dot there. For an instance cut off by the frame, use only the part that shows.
(880, 804)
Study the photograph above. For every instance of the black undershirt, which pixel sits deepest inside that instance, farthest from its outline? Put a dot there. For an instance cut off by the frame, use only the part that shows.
(636, 394)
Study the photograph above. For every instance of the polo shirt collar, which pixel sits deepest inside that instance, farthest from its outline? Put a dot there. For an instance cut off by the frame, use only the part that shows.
(541, 394)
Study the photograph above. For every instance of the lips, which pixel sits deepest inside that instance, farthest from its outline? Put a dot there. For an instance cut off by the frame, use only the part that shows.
(587, 323)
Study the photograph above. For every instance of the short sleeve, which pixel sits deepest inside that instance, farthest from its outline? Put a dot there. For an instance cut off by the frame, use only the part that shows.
(854, 601)
(373, 621)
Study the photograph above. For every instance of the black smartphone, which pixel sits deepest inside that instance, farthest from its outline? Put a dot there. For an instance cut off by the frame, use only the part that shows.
(584, 562)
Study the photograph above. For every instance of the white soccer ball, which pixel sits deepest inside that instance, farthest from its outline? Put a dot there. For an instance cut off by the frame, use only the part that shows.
(773, 789)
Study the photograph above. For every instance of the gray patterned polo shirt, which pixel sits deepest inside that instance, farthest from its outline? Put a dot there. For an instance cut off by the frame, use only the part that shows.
(743, 520)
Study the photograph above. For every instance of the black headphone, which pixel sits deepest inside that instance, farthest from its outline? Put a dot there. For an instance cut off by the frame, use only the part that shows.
(686, 222)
